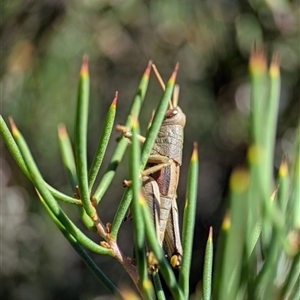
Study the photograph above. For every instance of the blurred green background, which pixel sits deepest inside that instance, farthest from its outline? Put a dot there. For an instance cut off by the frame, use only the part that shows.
(42, 44)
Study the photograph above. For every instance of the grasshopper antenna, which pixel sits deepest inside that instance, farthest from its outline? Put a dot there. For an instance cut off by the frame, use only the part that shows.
(176, 94)
(161, 82)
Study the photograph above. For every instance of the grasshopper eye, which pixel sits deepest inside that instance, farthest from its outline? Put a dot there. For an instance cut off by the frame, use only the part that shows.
(171, 113)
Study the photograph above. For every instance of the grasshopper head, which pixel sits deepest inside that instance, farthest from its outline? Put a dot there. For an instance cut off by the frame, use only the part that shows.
(175, 116)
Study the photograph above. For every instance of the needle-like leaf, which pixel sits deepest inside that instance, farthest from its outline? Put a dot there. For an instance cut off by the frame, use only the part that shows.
(105, 136)
(164, 266)
(81, 138)
(138, 222)
(122, 145)
(189, 223)
(50, 201)
(208, 263)
(67, 155)
(16, 154)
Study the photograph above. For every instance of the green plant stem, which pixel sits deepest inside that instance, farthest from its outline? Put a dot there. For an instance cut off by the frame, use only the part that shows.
(220, 256)
(83, 255)
(257, 229)
(264, 111)
(17, 156)
(264, 280)
(158, 288)
(50, 201)
(138, 223)
(284, 184)
(81, 138)
(234, 247)
(208, 263)
(122, 145)
(256, 153)
(258, 72)
(258, 75)
(69, 164)
(189, 223)
(103, 142)
(291, 280)
(271, 120)
(121, 212)
(67, 155)
(165, 269)
(294, 202)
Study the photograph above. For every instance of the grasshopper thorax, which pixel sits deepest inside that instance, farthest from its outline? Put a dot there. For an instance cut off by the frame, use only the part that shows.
(169, 140)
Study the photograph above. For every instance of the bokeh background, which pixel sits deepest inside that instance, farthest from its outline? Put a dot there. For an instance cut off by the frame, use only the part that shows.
(42, 44)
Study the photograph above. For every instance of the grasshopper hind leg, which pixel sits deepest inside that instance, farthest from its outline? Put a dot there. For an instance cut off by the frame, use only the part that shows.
(172, 237)
(152, 196)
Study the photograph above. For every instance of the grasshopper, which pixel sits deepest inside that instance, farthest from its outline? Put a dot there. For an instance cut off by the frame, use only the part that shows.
(161, 175)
